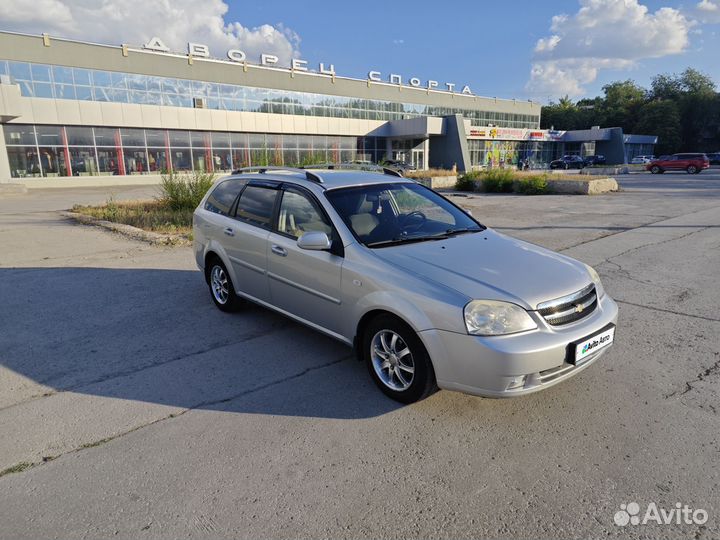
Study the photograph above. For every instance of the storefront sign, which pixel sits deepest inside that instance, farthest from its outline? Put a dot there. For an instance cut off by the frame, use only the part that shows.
(516, 134)
(200, 50)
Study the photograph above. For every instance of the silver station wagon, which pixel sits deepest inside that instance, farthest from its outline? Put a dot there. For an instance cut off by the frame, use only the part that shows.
(428, 296)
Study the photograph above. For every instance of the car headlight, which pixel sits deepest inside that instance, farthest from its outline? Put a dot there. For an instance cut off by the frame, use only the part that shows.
(599, 289)
(493, 318)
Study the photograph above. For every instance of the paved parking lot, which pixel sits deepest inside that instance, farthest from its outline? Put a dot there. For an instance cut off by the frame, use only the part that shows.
(131, 407)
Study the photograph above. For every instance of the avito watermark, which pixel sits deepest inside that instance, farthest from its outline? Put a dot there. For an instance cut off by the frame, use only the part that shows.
(681, 514)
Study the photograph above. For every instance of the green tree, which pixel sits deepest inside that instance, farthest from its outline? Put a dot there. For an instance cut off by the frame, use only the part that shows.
(623, 100)
(661, 118)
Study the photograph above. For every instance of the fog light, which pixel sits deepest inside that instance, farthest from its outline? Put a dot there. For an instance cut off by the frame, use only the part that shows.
(517, 382)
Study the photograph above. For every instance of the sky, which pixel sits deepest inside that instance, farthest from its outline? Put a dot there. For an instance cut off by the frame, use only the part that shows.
(524, 49)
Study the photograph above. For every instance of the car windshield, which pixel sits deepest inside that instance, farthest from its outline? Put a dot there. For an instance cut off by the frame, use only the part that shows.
(382, 215)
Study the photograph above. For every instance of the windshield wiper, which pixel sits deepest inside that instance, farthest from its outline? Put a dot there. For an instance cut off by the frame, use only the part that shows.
(405, 240)
(461, 230)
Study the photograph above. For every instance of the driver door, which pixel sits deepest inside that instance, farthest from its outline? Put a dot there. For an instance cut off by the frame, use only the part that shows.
(302, 282)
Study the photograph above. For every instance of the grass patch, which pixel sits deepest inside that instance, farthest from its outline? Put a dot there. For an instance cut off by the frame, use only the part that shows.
(20, 467)
(170, 213)
(427, 173)
(513, 181)
(533, 185)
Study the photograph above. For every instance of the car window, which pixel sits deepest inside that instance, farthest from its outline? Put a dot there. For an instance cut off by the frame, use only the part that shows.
(221, 199)
(256, 205)
(299, 214)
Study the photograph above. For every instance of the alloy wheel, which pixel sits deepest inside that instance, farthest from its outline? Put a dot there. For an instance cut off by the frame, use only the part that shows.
(392, 360)
(219, 284)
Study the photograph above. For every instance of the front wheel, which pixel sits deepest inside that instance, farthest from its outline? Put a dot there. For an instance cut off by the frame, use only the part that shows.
(692, 169)
(397, 360)
(221, 286)
(655, 169)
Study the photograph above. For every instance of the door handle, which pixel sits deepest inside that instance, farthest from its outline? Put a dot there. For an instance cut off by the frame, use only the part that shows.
(229, 231)
(277, 250)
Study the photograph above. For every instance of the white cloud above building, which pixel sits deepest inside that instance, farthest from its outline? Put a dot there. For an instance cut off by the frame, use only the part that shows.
(603, 34)
(175, 22)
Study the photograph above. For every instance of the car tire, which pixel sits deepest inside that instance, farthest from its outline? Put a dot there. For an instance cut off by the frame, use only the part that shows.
(692, 169)
(406, 377)
(655, 169)
(222, 290)
(567, 166)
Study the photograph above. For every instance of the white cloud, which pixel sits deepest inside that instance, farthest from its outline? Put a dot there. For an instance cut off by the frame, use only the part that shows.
(603, 34)
(135, 21)
(708, 11)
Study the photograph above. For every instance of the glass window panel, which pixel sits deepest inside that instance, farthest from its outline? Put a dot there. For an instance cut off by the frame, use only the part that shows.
(153, 98)
(273, 141)
(157, 160)
(155, 137)
(220, 139)
(212, 103)
(20, 71)
(43, 90)
(275, 156)
(299, 214)
(135, 161)
(231, 104)
(290, 141)
(178, 138)
(83, 93)
(132, 137)
(64, 91)
(108, 161)
(136, 82)
(200, 139)
(181, 159)
(82, 161)
(62, 75)
(139, 97)
(221, 199)
(257, 140)
(79, 136)
(202, 159)
(82, 76)
(49, 135)
(52, 160)
(4, 68)
(19, 134)
(241, 158)
(105, 136)
(40, 72)
(100, 94)
(118, 96)
(290, 157)
(101, 78)
(200, 88)
(319, 142)
(239, 140)
(170, 100)
(222, 160)
(256, 205)
(304, 142)
(24, 161)
(153, 84)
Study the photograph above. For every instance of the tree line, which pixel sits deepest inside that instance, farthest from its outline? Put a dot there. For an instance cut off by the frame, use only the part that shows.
(682, 110)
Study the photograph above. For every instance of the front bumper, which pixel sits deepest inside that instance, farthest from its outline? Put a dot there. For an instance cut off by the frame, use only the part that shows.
(490, 366)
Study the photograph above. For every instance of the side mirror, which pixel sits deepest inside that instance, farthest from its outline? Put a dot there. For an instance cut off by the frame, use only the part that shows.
(314, 241)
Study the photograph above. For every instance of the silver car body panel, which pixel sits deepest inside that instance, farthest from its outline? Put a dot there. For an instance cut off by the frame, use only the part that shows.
(426, 284)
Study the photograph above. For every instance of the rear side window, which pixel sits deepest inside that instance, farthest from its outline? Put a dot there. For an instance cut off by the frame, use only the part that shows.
(223, 196)
(256, 205)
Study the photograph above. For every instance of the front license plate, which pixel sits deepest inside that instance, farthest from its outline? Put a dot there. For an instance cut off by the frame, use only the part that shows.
(589, 346)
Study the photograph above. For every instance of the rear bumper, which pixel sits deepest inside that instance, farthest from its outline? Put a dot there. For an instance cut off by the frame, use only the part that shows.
(493, 366)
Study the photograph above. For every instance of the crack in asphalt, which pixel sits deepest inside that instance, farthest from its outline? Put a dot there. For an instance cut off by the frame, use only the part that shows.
(702, 317)
(118, 374)
(24, 466)
(707, 372)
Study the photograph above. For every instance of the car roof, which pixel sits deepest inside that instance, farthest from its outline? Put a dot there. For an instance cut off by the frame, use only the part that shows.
(328, 178)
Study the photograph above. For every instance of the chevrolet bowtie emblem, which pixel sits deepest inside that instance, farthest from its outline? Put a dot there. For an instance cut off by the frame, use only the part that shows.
(578, 308)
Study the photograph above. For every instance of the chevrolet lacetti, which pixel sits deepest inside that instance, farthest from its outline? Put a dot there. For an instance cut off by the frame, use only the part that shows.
(427, 295)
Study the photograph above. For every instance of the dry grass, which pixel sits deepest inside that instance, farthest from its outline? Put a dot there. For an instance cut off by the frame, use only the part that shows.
(156, 216)
(427, 173)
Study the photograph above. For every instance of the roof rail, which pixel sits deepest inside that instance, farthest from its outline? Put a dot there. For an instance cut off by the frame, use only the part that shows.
(358, 167)
(261, 169)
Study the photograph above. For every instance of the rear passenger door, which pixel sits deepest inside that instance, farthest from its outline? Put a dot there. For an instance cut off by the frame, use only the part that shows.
(302, 282)
(247, 236)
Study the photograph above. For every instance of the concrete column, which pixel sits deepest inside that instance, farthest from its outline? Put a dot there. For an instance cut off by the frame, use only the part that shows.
(4, 161)
(426, 153)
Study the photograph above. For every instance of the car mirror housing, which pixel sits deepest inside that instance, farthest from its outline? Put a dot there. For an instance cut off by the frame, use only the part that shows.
(314, 241)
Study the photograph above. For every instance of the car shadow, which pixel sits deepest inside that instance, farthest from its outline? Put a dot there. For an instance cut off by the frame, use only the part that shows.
(154, 335)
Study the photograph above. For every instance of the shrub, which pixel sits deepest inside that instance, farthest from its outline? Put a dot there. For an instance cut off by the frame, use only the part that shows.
(498, 180)
(532, 185)
(184, 191)
(465, 183)
(427, 173)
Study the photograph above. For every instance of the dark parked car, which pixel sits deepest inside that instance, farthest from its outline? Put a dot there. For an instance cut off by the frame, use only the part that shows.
(396, 165)
(714, 158)
(568, 162)
(594, 160)
(692, 163)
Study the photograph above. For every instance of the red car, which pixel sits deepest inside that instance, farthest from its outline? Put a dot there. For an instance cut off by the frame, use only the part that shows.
(692, 163)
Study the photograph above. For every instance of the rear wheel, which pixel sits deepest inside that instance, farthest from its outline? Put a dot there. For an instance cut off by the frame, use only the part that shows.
(692, 169)
(655, 169)
(397, 360)
(221, 286)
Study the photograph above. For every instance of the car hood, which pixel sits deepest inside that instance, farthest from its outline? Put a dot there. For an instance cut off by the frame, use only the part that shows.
(491, 266)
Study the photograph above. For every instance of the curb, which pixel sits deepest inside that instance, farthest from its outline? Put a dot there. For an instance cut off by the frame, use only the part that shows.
(158, 239)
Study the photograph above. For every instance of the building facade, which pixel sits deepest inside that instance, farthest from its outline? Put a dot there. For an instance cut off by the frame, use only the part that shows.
(70, 109)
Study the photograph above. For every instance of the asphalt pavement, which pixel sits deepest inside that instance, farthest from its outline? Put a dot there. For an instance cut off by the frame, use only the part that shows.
(131, 407)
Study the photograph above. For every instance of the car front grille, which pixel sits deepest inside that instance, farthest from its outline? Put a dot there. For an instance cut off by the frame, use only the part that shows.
(570, 308)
